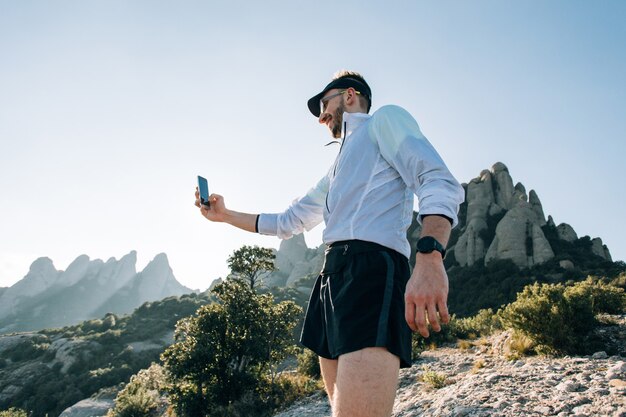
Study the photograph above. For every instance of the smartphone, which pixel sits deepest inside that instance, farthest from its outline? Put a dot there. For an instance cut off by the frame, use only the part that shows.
(203, 187)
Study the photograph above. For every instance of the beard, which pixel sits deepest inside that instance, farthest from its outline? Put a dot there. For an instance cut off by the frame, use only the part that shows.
(337, 121)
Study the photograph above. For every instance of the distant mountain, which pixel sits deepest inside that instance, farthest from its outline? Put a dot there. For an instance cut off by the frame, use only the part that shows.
(48, 298)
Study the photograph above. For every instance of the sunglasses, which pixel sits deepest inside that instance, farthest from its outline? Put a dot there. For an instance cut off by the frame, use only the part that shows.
(325, 100)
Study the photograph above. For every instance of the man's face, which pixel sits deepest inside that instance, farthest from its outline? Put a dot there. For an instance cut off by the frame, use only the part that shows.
(331, 111)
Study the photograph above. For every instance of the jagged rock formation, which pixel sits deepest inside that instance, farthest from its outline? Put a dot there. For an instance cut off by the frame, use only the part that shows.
(504, 222)
(600, 249)
(295, 261)
(87, 289)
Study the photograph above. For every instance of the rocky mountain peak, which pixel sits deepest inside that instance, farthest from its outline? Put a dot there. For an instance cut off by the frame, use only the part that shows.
(504, 222)
(87, 289)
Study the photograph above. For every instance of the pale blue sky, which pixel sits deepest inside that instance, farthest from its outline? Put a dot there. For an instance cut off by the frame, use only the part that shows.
(109, 110)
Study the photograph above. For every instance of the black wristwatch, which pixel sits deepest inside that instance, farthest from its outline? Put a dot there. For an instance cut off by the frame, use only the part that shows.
(427, 244)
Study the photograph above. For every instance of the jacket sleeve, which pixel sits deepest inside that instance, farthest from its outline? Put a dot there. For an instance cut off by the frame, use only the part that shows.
(405, 148)
(303, 214)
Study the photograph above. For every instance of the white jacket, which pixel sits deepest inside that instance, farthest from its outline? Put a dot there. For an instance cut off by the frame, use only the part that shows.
(367, 194)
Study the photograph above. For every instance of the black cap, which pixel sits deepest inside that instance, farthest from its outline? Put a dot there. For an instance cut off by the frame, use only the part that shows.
(345, 82)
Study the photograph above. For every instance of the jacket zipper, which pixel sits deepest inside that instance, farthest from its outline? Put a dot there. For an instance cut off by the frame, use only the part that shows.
(345, 128)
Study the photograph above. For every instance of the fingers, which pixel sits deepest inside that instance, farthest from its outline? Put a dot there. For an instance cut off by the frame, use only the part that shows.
(409, 315)
(418, 318)
(197, 203)
(443, 312)
(432, 317)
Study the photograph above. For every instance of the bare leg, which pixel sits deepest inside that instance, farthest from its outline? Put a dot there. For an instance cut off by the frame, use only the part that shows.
(366, 384)
(329, 374)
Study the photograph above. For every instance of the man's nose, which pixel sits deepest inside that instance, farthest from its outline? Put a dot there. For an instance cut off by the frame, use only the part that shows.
(323, 117)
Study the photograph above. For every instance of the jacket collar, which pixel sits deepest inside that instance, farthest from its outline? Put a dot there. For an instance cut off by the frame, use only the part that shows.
(351, 121)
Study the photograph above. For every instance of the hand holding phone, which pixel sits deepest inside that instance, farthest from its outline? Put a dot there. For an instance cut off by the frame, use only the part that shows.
(203, 188)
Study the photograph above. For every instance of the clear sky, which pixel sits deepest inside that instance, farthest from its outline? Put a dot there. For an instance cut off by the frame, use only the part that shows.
(109, 110)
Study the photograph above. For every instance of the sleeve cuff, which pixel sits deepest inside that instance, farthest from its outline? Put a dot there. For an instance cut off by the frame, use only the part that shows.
(267, 224)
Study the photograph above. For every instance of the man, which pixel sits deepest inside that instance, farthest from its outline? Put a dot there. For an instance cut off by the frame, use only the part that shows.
(363, 305)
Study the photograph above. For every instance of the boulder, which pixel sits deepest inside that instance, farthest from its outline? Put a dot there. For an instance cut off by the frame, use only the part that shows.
(566, 232)
(520, 239)
(89, 408)
(519, 195)
(535, 203)
(600, 249)
(307, 267)
(479, 196)
(471, 247)
(503, 185)
(290, 252)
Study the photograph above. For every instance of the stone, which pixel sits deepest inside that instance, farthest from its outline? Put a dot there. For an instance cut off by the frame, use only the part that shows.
(479, 197)
(599, 355)
(503, 185)
(567, 265)
(519, 194)
(89, 408)
(471, 247)
(290, 252)
(569, 386)
(616, 371)
(600, 249)
(535, 203)
(545, 410)
(566, 232)
(618, 383)
(514, 233)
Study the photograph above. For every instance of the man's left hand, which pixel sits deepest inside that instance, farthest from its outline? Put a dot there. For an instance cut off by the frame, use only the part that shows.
(426, 294)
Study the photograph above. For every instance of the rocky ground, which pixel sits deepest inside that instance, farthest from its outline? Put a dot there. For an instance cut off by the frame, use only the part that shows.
(479, 381)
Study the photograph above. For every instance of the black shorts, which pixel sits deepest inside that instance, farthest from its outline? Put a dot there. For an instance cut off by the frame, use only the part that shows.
(358, 302)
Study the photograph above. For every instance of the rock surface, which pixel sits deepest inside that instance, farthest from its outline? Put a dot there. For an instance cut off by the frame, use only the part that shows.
(503, 222)
(480, 382)
(89, 408)
(520, 239)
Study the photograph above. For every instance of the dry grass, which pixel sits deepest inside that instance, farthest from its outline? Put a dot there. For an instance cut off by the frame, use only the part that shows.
(518, 346)
(478, 365)
(433, 379)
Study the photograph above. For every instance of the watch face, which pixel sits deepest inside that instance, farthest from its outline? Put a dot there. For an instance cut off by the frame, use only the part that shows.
(426, 244)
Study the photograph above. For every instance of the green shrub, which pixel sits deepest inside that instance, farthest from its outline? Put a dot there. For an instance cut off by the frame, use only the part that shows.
(13, 412)
(560, 319)
(484, 323)
(287, 389)
(142, 396)
(309, 364)
(434, 379)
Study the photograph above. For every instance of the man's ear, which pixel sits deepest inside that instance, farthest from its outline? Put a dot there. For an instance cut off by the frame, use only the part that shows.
(351, 97)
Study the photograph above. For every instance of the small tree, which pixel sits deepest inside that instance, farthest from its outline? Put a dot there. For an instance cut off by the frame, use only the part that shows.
(228, 349)
(250, 262)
